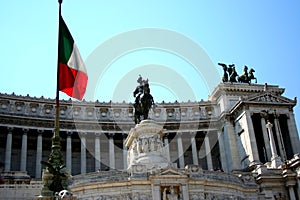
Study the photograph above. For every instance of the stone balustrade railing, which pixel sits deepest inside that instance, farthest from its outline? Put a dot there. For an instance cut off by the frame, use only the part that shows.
(32, 107)
(122, 175)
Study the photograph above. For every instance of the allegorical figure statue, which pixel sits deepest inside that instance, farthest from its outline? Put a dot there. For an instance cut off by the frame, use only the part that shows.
(58, 173)
(143, 100)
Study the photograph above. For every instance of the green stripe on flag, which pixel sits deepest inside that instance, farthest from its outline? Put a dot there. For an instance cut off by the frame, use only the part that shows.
(65, 42)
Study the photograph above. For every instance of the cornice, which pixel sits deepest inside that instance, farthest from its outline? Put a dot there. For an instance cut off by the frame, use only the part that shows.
(264, 99)
(240, 89)
(42, 99)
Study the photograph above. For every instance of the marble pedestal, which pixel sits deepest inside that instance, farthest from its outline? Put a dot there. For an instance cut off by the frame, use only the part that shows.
(145, 146)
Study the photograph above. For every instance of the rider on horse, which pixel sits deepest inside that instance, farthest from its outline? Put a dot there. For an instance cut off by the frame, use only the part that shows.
(143, 100)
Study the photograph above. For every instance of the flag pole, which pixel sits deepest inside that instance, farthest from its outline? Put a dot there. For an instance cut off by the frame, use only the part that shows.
(56, 138)
(56, 125)
(56, 157)
(55, 161)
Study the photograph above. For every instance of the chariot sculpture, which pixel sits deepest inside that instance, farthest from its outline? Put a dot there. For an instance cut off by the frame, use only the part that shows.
(230, 74)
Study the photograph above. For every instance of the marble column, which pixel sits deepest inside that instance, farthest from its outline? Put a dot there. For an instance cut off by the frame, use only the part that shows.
(279, 138)
(194, 148)
(298, 179)
(8, 150)
(156, 193)
(293, 132)
(266, 138)
(69, 151)
(124, 152)
(222, 151)
(39, 151)
(24, 151)
(180, 150)
(208, 153)
(83, 153)
(166, 147)
(185, 192)
(272, 142)
(111, 151)
(276, 162)
(253, 154)
(291, 192)
(232, 150)
(97, 152)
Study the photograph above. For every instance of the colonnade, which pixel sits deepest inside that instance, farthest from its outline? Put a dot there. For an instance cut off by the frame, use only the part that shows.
(99, 150)
(187, 139)
(229, 151)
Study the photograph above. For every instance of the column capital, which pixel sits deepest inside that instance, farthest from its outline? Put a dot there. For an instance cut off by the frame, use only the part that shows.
(229, 119)
(110, 135)
(25, 130)
(98, 134)
(179, 134)
(82, 134)
(262, 119)
(40, 131)
(193, 133)
(69, 133)
(269, 125)
(276, 115)
(10, 129)
(165, 136)
(264, 114)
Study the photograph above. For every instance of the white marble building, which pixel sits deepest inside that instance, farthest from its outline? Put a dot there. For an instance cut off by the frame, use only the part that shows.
(241, 143)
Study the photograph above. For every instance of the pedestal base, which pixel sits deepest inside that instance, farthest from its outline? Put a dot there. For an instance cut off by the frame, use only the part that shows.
(146, 147)
(47, 180)
(276, 162)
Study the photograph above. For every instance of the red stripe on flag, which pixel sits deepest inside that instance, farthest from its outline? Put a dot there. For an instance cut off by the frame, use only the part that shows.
(72, 82)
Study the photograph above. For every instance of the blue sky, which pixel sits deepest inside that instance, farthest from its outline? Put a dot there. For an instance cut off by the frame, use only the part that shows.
(265, 35)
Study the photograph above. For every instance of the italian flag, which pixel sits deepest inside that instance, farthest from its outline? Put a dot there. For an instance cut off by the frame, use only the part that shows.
(72, 73)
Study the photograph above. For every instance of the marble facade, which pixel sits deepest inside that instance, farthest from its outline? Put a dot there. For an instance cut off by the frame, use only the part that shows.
(210, 148)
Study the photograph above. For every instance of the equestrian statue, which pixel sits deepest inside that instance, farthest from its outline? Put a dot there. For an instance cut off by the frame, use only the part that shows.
(143, 100)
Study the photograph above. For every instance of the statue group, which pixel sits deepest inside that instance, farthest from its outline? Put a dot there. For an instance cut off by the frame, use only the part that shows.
(230, 74)
(143, 100)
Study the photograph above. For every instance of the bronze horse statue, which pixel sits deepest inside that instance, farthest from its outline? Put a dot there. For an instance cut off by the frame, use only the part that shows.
(225, 76)
(251, 75)
(143, 100)
(246, 78)
(232, 73)
(229, 73)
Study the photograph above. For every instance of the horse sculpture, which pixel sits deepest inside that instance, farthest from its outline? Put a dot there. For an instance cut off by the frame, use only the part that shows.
(229, 73)
(143, 100)
(246, 78)
(251, 75)
(225, 76)
(232, 73)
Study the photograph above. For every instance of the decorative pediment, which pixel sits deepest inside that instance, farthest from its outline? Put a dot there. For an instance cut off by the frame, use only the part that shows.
(269, 98)
(171, 172)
